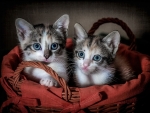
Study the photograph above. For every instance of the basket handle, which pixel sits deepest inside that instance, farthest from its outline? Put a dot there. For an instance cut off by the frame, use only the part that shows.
(116, 21)
(23, 64)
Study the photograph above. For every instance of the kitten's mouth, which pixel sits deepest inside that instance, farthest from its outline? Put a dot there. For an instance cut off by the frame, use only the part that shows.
(46, 62)
(85, 70)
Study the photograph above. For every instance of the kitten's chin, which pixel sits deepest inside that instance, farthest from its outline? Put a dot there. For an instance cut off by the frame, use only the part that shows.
(46, 63)
(85, 71)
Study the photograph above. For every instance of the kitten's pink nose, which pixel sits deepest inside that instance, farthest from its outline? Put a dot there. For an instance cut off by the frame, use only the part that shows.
(86, 63)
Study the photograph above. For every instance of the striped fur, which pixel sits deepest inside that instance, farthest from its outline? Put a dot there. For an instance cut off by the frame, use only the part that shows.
(46, 44)
(89, 70)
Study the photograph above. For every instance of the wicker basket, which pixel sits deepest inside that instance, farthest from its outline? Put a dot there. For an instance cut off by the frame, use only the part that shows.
(127, 98)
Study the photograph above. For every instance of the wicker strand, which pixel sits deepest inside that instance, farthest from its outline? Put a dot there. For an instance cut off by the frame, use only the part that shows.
(116, 21)
(22, 65)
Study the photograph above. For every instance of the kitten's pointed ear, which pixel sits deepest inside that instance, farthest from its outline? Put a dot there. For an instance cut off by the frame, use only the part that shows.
(23, 29)
(61, 25)
(80, 33)
(112, 41)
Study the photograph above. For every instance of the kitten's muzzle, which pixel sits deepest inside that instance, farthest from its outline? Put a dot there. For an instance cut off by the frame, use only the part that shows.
(86, 63)
(47, 53)
(46, 56)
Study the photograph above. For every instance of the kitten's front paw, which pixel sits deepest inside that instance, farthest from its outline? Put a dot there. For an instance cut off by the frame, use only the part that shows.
(49, 82)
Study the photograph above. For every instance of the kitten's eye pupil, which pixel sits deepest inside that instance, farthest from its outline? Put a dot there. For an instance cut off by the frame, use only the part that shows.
(81, 54)
(37, 46)
(97, 58)
(54, 46)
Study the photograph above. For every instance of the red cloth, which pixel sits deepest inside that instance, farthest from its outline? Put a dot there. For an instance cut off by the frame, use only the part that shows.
(34, 94)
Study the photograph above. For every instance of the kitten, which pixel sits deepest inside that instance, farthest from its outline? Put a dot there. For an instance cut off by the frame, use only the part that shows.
(46, 44)
(96, 62)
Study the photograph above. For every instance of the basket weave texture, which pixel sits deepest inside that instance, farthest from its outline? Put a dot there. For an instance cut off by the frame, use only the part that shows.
(27, 96)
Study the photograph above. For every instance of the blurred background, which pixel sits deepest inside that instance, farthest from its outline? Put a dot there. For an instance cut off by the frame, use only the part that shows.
(135, 14)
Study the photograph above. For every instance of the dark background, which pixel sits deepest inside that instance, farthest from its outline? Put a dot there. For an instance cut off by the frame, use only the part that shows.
(136, 14)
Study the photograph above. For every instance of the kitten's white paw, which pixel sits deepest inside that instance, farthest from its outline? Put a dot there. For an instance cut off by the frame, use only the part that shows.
(49, 82)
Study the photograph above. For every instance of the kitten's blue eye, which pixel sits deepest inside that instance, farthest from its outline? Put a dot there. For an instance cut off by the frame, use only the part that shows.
(37, 46)
(54, 46)
(97, 58)
(81, 54)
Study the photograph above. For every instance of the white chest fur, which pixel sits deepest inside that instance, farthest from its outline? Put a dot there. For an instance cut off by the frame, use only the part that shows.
(37, 74)
(98, 78)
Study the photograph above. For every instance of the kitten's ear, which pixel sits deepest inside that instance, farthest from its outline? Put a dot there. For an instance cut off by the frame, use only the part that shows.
(23, 29)
(112, 41)
(80, 33)
(61, 25)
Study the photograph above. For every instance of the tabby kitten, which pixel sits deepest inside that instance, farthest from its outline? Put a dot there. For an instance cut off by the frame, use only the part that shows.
(96, 62)
(46, 44)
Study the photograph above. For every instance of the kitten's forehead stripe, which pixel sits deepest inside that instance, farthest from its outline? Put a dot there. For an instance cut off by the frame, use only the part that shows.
(90, 41)
(45, 34)
(40, 40)
(85, 43)
(49, 32)
(46, 45)
(34, 40)
(40, 28)
(49, 36)
(95, 44)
